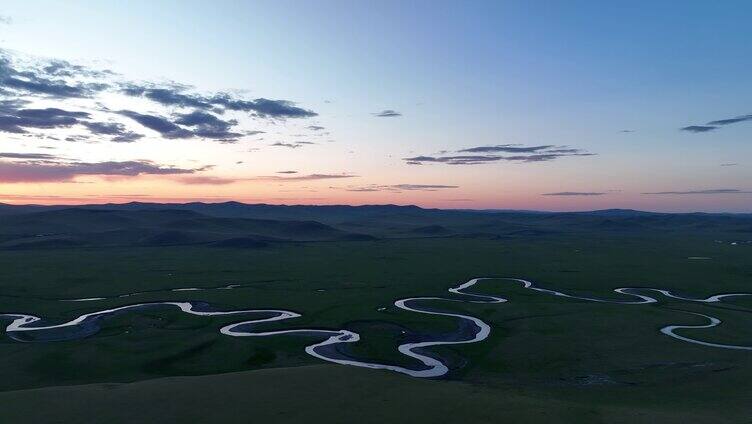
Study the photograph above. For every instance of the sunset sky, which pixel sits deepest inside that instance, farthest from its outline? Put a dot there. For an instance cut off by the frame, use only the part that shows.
(553, 105)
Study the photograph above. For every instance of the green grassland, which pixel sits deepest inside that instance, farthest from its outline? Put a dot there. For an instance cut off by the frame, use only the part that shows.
(325, 393)
(548, 359)
(599, 362)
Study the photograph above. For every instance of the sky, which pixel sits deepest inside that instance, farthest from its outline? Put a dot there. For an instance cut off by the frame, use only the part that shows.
(548, 105)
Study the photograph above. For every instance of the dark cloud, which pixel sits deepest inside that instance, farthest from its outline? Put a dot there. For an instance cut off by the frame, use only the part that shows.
(12, 105)
(544, 157)
(58, 171)
(699, 128)
(714, 125)
(294, 145)
(506, 148)
(477, 160)
(117, 130)
(388, 113)
(108, 128)
(127, 137)
(15, 119)
(710, 191)
(56, 117)
(287, 172)
(27, 156)
(315, 128)
(76, 138)
(199, 124)
(453, 160)
(198, 118)
(207, 125)
(37, 85)
(24, 78)
(729, 164)
(288, 145)
(541, 153)
(264, 108)
(728, 121)
(63, 68)
(575, 193)
(175, 95)
(159, 124)
(18, 120)
(567, 151)
(44, 80)
(170, 96)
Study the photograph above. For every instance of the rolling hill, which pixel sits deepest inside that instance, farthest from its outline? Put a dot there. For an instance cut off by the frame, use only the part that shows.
(238, 225)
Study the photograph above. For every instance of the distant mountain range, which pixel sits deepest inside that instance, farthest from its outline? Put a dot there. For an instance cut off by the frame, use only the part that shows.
(238, 225)
(238, 208)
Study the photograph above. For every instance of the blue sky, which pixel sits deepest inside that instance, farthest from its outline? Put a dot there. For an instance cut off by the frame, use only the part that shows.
(575, 74)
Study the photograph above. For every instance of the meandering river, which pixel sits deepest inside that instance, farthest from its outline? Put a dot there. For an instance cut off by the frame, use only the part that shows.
(30, 328)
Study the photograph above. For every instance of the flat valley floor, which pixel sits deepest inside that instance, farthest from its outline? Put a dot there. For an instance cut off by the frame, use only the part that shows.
(547, 358)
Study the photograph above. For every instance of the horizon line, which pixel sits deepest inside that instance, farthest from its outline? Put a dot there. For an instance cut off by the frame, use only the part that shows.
(501, 210)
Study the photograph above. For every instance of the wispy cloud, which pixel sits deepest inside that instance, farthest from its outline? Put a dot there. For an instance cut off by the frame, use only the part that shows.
(541, 153)
(206, 125)
(44, 156)
(15, 118)
(159, 124)
(423, 186)
(575, 193)
(714, 125)
(115, 129)
(99, 198)
(398, 188)
(505, 148)
(708, 191)
(186, 113)
(43, 170)
(309, 177)
(734, 120)
(453, 160)
(206, 180)
(387, 113)
(51, 79)
(193, 124)
(699, 128)
(293, 145)
(178, 95)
